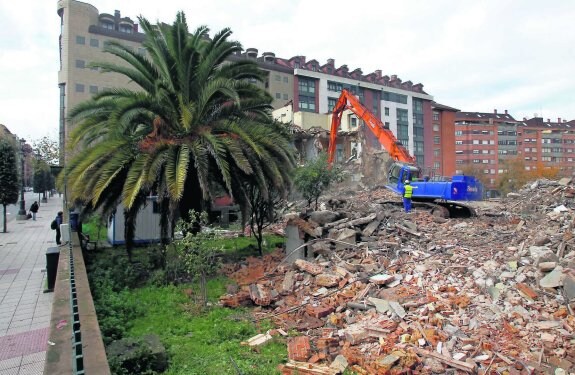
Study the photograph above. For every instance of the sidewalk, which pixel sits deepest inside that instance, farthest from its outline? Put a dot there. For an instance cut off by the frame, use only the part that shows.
(24, 308)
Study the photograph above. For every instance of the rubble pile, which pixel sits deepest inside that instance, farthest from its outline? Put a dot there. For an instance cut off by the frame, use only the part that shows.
(382, 291)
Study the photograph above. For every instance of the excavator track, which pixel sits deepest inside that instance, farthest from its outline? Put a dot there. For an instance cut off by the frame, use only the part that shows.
(442, 208)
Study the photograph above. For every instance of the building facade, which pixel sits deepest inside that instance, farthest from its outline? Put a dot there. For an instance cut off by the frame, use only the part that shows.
(83, 34)
(482, 140)
(486, 140)
(443, 135)
(548, 143)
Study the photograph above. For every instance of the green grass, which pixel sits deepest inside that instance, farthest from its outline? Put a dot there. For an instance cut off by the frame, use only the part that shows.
(246, 246)
(203, 342)
(199, 341)
(95, 228)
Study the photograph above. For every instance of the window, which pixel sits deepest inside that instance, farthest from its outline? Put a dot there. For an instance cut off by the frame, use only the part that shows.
(485, 151)
(476, 161)
(353, 122)
(307, 103)
(459, 132)
(285, 96)
(459, 162)
(94, 42)
(107, 25)
(475, 151)
(306, 86)
(485, 161)
(459, 151)
(436, 165)
(79, 87)
(435, 116)
(458, 142)
(141, 51)
(80, 39)
(93, 89)
(278, 95)
(393, 97)
(277, 77)
(80, 64)
(386, 125)
(435, 127)
(126, 29)
(436, 152)
(475, 141)
(436, 140)
(386, 111)
(331, 103)
(334, 86)
(286, 80)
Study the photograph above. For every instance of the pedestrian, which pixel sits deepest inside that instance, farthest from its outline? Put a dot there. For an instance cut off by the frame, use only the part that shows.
(59, 219)
(34, 209)
(407, 193)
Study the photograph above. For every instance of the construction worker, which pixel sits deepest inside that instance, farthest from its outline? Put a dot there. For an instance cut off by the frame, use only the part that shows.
(407, 193)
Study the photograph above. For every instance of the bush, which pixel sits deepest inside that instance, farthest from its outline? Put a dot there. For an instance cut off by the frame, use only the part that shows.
(145, 355)
(315, 177)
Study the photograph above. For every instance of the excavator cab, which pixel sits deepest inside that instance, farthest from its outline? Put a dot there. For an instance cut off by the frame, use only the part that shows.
(399, 172)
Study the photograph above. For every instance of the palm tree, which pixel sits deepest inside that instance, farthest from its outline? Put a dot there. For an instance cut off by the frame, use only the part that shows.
(197, 120)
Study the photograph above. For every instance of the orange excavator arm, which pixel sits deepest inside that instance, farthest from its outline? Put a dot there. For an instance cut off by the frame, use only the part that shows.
(385, 136)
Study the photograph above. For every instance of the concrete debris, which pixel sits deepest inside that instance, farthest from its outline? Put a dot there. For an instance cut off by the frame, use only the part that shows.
(375, 290)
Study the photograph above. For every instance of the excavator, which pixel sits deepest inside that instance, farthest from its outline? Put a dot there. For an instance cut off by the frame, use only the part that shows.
(446, 197)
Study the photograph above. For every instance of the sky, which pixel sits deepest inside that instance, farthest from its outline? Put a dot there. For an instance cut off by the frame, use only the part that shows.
(476, 56)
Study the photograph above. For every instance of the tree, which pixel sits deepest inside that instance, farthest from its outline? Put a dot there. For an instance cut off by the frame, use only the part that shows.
(262, 211)
(315, 177)
(198, 250)
(47, 150)
(43, 179)
(514, 175)
(196, 119)
(9, 182)
(477, 171)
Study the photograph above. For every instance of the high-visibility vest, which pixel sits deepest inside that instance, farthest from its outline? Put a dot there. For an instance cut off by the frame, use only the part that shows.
(408, 191)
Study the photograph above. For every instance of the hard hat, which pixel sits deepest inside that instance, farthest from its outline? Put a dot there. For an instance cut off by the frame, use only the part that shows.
(407, 181)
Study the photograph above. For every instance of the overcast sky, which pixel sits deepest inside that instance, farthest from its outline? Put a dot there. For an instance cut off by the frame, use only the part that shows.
(471, 55)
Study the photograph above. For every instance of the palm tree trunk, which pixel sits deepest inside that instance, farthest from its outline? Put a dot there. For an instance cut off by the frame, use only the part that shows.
(129, 232)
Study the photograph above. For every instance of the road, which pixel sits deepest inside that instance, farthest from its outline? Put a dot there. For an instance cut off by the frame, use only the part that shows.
(12, 210)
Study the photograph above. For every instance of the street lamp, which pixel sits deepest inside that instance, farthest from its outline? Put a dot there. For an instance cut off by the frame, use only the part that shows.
(22, 211)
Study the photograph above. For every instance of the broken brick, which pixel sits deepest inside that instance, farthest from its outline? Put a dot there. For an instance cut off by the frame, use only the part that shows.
(319, 311)
(259, 295)
(523, 288)
(327, 280)
(308, 267)
(299, 348)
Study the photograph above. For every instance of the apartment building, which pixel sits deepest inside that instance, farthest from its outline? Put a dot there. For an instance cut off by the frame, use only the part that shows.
(83, 34)
(443, 128)
(547, 144)
(483, 139)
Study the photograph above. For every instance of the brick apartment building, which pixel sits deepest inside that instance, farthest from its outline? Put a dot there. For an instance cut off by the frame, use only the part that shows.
(485, 140)
(311, 87)
(547, 143)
